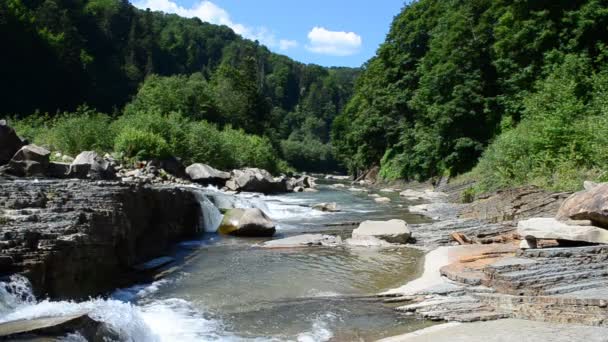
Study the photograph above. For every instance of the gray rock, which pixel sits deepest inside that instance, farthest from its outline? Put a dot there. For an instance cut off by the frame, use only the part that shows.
(205, 174)
(587, 205)
(55, 327)
(305, 182)
(304, 240)
(255, 180)
(89, 164)
(30, 160)
(171, 165)
(247, 222)
(298, 189)
(382, 200)
(393, 231)
(329, 207)
(58, 170)
(10, 143)
(550, 228)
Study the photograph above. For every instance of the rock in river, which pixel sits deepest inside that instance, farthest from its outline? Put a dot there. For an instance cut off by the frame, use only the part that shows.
(247, 222)
(393, 231)
(330, 207)
(205, 174)
(550, 228)
(255, 180)
(591, 204)
(382, 200)
(304, 240)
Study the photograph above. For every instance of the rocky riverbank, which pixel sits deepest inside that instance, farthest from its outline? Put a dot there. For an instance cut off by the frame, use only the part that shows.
(55, 232)
(476, 270)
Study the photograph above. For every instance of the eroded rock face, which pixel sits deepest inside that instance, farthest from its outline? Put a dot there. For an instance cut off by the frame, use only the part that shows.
(89, 164)
(30, 160)
(514, 204)
(393, 231)
(550, 228)
(247, 222)
(10, 143)
(591, 204)
(57, 232)
(205, 174)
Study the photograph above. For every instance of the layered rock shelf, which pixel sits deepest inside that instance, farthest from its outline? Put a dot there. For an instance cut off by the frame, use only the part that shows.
(75, 238)
(489, 277)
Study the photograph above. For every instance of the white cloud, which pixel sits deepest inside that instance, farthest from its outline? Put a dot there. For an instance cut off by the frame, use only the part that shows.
(286, 44)
(335, 43)
(211, 13)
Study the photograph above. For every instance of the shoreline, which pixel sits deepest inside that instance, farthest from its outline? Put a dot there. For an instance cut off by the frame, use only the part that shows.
(490, 283)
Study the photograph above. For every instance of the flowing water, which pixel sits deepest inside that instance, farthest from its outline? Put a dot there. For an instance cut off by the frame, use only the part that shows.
(230, 289)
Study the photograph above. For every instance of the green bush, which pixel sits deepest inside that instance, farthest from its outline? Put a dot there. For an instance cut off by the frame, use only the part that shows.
(81, 131)
(248, 150)
(70, 133)
(205, 145)
(171, 127)
(134, 143)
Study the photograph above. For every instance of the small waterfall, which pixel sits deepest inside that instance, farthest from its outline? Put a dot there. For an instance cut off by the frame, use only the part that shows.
(228, 201)
(14, 293)
(210, 216)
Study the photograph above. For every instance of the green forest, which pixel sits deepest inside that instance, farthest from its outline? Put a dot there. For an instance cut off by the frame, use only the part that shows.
(103, 75)
(503, 92)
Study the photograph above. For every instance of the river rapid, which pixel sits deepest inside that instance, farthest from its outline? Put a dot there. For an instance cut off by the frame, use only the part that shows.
(230, 289)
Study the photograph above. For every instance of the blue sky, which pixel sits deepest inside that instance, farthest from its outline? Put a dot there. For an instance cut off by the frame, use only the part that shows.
(329, 33)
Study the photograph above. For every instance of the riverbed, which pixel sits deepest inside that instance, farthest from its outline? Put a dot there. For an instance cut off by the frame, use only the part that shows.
(230, 289)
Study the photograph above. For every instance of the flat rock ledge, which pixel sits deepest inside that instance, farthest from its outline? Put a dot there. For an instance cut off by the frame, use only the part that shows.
(55, 232)
(491, 278)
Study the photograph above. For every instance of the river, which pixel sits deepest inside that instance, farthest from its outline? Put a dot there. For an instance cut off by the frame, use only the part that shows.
(230, 289)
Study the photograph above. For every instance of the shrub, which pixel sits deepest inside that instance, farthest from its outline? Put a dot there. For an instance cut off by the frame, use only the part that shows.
(83, 130)
(171, 127)
(69, 133)
(205, 145)
(248, 150)
(142, 145)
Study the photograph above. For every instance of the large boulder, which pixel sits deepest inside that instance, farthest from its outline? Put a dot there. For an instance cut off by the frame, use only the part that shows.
(89, 164)
(552, 229)
(58, 170)
(171, 165)
(591, 204)
(393, 231)
(247, 222)
(256, 180)
(305, 182)
(30, 160)
(10, 143)
(205, 174)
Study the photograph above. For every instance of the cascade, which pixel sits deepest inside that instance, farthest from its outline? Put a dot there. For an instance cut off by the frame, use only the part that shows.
(210, 216)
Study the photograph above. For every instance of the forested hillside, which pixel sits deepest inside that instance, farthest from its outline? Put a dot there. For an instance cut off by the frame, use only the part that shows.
(106, 54)
(526, 78)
